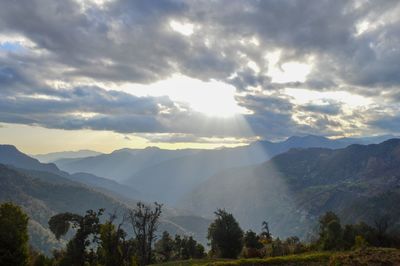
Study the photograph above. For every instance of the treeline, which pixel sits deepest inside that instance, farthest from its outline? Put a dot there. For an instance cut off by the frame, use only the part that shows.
(107, 243)
(95, 243)
(229, 241)
(333, 235)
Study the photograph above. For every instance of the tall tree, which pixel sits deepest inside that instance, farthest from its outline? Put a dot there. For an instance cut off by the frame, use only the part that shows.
(265, 233)
(225, 235)
(330, 231)
(145, 221)
(164, 247)
(13, 235)
(252, 240)
(87, 226)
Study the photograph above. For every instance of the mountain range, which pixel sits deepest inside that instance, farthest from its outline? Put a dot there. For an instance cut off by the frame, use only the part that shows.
(176, 172)
(289, 184)
(54, 156)
(290, 191)
(43, 190)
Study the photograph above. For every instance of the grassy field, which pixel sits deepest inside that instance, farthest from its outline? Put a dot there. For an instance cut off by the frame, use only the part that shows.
(368, 257)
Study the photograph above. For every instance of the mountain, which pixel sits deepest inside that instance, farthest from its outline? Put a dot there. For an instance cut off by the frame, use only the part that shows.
(178, 176)
(43, 197)
(107, 185)
(176, 172)
(120, 164)
(54, 156)
(10, 155)
(43, 194)
(169, 180)
(43, 190)
(367, 140)
(290, 191)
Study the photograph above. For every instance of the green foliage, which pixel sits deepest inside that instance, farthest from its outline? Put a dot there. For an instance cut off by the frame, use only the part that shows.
(252, 245)
(333, 237)
(330, 232)
(38, 259)
(164, 247)
(251, 240)
(225, 235)
(87, 226)
(13, 235)
(178, 249)
(59, 224)
(111, 244)
(360, 242)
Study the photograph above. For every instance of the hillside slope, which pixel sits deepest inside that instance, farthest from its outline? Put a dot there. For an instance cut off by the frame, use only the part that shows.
(10, 155)
(180, 175)
(54, 156)
(120, 164)
(43, 194)
(293, 189)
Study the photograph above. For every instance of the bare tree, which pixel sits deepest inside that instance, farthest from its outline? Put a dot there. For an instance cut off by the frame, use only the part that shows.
(265, 233)
(144, 221)
(382, 224)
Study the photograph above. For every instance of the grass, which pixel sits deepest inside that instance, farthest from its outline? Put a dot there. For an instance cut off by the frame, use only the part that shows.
(301, 259)
(371, 256)
(317, 258)
(189, 262)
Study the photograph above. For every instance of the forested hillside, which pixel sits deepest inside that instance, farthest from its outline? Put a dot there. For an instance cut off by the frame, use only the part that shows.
(360, 183)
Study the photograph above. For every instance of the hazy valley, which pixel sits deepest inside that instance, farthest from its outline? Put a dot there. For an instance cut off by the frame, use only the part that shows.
(289, 184)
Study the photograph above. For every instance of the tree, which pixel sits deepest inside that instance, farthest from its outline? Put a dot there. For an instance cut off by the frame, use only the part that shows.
(265, 235)
(113, 248)
(87, 226)
(382, 224)
(177, 247)
(164, 247)
(330, 231)
(144, 221)
(251, 240)
(13, 235)
(252, 244)
(225, 235)
(199, 251)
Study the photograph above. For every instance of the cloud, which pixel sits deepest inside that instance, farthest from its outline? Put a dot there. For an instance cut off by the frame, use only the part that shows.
(70, 51)
(328, 108)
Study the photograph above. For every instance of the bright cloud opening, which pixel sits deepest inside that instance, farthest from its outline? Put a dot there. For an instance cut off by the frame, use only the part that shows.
(286, 72)
(186, 29)
(304, 96)
(212, 98)
(290, 72)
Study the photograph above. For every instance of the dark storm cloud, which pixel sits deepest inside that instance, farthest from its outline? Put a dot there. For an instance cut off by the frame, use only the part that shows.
(328, 108)
(85, 107)
(132, 41)
(390, 124)
(271, 116)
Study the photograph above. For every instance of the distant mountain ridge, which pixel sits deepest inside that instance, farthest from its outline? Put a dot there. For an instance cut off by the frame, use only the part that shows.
(178, 171)
(290, 190)
(121, 164)
(10, 155)
(359, 182)
(43, 194)
(26, 181)
(54, 156)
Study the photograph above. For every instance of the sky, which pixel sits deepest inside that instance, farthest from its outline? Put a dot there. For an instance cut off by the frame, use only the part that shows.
(109, 74)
